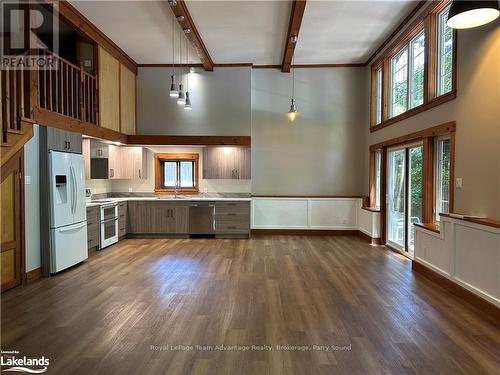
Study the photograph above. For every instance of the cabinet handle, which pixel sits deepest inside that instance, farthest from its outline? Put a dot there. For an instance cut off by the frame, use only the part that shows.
(69, 145)
(139, 173)
(111, 173)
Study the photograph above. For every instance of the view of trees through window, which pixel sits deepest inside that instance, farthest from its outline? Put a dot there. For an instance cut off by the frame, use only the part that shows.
(443, 176)
(445, 54)
(178, 173)
(417, 46)
(399, 79)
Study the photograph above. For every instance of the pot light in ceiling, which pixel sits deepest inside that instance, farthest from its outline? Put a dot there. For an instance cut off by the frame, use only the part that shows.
(180, 18)
(187, 30)
(172, 2)
(469, 14)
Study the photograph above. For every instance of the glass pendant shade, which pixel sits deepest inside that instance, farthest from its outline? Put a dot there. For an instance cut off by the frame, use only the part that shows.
(292, 113)
(188, 101)
(468, 14)
(173, 87)
(181, 99)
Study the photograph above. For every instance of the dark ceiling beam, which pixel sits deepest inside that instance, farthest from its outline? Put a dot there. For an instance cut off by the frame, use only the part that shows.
(298, 7)
(179, 9)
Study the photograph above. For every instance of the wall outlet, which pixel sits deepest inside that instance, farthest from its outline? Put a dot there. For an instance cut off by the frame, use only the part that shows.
(130, 189)
(458, 182)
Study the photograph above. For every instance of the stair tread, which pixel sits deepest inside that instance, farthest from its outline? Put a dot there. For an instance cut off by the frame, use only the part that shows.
(15, 131)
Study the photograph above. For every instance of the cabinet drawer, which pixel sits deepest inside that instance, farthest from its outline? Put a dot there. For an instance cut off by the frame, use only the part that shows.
(233, 219)
(231, 208)
(92, 242)
(230, 227)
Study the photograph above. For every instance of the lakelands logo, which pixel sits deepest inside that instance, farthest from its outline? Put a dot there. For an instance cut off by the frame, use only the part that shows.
(23, 364)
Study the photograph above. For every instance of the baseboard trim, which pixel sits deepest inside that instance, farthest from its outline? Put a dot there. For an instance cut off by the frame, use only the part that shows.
(33, 275)
(485, 306)
(304, 232)
(371, 240)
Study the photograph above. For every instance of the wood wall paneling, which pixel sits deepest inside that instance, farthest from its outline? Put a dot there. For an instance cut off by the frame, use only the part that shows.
(109, 91)
(127, 100)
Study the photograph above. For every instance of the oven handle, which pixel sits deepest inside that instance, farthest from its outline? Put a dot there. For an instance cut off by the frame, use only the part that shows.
(108, 220)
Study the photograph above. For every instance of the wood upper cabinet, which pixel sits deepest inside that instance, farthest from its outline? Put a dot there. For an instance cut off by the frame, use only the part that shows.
(109, 91)
(63, 140)
(226, 163)
(134, 163)
(127, 100)
(114, 162)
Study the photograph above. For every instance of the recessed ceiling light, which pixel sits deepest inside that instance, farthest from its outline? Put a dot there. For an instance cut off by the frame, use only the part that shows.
(180, 18)
(187, 30)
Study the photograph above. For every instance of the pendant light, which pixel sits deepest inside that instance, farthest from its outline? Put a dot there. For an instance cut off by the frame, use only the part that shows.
(173, 86)
(181, 98)
(468, 14)
(187, 105)
(293, 113)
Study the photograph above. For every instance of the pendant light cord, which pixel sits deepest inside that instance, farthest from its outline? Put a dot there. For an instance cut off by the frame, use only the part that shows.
(187, 66)
(293, 78)
(173, 46)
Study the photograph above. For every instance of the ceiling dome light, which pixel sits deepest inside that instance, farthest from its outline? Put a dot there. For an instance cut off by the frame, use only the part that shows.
(468, 14)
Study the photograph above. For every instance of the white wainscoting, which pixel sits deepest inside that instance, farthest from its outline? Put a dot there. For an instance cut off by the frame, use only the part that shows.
(369, 222)
(464, 252)
(312, 213)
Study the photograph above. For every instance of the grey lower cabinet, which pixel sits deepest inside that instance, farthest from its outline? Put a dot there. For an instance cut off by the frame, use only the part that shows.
(122, 219)
(232, 219)
(157, 217)
(93, 227)
(220, 162)
(63, 140)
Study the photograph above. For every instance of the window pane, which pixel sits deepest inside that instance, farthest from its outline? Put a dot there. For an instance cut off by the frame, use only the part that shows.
(187, 176)
(445, 54)
(378, 160)
(417, 47)
(443, 176)
(378, 102)
(170, 173)
(399, 82)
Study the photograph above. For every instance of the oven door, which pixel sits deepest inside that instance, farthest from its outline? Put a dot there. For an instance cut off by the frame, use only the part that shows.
(109, 232)
(109, 212)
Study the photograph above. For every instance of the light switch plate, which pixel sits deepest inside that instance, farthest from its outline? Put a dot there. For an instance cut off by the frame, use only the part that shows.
(458, 182)
(130, 189)
(27, 180)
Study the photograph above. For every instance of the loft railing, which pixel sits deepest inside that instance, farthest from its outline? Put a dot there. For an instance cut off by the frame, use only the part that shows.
(12, 83)
(68, 90)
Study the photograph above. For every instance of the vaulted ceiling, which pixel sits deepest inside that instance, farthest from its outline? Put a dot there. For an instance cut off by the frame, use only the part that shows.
(331, 32)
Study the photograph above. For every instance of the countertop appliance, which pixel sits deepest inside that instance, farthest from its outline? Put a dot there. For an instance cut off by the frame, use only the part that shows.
(109, 223)
(68, 216)
(202, 218)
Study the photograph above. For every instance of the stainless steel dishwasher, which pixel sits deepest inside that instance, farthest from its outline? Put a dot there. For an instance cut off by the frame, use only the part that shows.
(202, 218)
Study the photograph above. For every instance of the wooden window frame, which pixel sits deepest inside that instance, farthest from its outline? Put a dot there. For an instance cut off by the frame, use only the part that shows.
(427, 21)
(160, 157)
(427, 137)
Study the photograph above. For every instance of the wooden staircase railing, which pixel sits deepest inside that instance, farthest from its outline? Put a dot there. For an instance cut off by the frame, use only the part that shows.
(12, 83)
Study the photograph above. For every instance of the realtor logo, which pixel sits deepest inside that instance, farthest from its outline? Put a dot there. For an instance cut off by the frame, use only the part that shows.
(29, 35)
(23, 364)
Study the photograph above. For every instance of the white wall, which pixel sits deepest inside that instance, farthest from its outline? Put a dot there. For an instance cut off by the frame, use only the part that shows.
(220, 99)
(32, 201)
(323, 151)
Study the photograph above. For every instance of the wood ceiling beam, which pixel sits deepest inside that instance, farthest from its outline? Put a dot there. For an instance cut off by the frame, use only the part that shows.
(179, 9)
(298, 7)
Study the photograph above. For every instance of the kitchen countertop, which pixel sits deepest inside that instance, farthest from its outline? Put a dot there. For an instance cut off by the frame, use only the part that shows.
(180, 198)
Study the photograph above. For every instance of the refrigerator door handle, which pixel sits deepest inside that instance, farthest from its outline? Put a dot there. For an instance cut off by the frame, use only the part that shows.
(73, 190)
(73, 227)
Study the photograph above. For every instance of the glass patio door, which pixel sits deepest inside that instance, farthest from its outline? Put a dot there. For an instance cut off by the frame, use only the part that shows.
(404, 196)
(396, 192)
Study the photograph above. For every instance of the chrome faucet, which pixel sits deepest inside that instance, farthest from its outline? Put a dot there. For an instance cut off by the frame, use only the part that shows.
(176, 188)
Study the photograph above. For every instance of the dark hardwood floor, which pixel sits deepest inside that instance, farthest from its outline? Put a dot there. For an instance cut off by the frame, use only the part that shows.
(128, 309)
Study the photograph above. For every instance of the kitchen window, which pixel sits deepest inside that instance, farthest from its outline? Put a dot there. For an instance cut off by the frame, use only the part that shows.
(176, 172)
(442, 178)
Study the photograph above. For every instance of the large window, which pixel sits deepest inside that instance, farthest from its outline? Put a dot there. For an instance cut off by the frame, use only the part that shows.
(378, 96)
(442, 178)
(399, 82)
(176, 172)
(419, 66)
(445, 54)
(378, 171)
